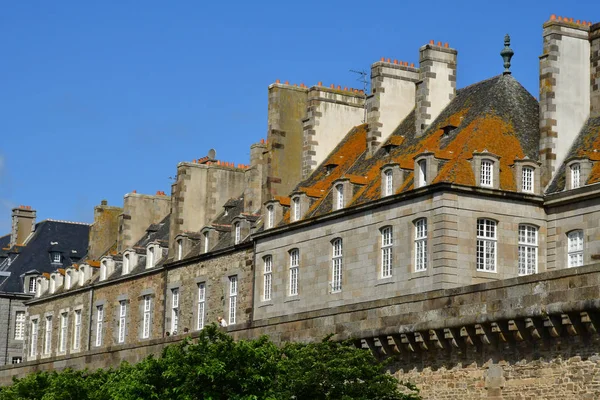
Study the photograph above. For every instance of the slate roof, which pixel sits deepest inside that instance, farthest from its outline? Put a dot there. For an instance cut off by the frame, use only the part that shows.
(68, 238)
(497, 115)
(586, 145)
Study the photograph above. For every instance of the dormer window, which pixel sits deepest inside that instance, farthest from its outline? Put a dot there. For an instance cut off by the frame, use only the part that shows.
(448, 130)
(575, 175)
(296, 208)
(329, 168)
(486, 177)
(81, 275)
(238, 232)
(270, 216)
(68, 280)
(339, 193)
(150, 257)
(422, 179)
(389, 182)
(206, 242)
(179, 249)
(103, 268)
(527, 179)
(126, 263)
(56, 257)
(32, 285)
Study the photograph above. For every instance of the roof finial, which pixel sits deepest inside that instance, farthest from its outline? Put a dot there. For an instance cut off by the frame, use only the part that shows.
(507, 54)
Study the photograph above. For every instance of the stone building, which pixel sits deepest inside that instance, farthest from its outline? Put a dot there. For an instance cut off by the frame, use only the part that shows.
(456, 229)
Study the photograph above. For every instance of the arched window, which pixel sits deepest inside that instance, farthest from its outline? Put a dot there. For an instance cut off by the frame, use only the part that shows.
(422, 173)
(296, 209)
(270, 217)
(528, 249)
(179, 249)
(126, 263)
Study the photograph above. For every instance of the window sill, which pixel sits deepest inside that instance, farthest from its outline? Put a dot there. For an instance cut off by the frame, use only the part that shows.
(291, 299)
(385, 281)
(266, 304)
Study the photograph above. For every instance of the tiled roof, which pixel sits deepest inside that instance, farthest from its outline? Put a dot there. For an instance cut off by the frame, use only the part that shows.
(496, 115)
(587, 145)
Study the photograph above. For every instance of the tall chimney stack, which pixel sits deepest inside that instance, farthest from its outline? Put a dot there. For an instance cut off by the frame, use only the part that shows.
(23, 223)
(595, 70)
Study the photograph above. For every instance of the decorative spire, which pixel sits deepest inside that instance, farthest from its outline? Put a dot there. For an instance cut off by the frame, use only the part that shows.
(507, 54)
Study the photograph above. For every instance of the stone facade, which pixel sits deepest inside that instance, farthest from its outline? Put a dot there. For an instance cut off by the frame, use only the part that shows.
(12, 344)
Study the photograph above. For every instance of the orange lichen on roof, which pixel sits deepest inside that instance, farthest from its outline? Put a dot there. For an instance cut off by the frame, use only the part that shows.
(61, 271)
(591, 149)
(46, 275)
(395, 140)
(284, 201)
(93, 263)
(356, 179)
(312, 192)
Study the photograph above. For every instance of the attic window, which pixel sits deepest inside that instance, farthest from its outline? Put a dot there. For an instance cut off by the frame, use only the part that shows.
(32, 284)
(448, 129)
(55, 257)
(238, 232)
(329, 168)
(575, 176)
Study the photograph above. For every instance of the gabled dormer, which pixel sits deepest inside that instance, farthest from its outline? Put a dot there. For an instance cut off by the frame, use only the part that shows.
(342, 193)
(154, 254)
(577, 172)
(130, 260)
(85, 273)
(71, 277)
(240, 229)
(107, 267)
(56, 281)
(184, 242)
(486, 168)
(273, 211)
(392, 178)
(527, 176)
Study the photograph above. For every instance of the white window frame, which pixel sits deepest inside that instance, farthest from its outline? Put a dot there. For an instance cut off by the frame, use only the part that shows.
(487, 243)
(56, 257)
(122, 321)
(34, 337)
(387, 240)
(422, 173)
(206, 242)
(201, 305)
(389, 182)
(270, 216)
(339, 193)
(20, 325)
(174, 310)
(267, 278)
(238, 232)
(336, 265)
(296, 209)
(486, 173)
(527, 179)
(62, 341)
(126, 263)
(150, 257)
(528, 249)
(48, 335)
(68, 280)
(575, 246)
(421, 255)
(233, 292)
(33, 284)
(77, 330)
(146, 317)
(179, 249)
(99, 324)
(575, 175)
(103, 271)
(294, 271)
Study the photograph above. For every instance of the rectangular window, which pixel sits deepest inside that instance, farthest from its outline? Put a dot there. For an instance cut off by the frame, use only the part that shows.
(62, 346)
(146, 318)
(575, 176)
(421, 258)
(422, 173)
(34, 338)
(267, 277)
(174, 310)
(386, 252)
(339, 190)
(233, 291)
(206, 247)
(527, 180)
(336, 266)
(56, 257)
(294, 270)
(528, 242)
(99, 322)
(487, 173)
(179, 249)
(270, 216)
(238, 233)
(125, 264)
(389, 182)
(486, 245)
(122, 320)
(20, 325)
(77, 330)
(48, 335)
(32, 285)
(103, 271)
(150, 257)
(17, 360)
(296, 208)
(201, 305)
(575, 250)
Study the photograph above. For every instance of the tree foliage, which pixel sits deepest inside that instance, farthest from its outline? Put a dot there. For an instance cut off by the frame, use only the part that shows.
(216, 367)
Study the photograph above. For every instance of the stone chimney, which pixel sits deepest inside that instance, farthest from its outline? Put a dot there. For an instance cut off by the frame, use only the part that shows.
(330, 115)
(437, 83)
(139, 211)
(255, 190)
(595, 70)
(23, 223)
(564, 90)
(393, 85)
(105, 229)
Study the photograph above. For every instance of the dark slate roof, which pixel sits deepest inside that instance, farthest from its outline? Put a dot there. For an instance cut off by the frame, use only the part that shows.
(586, 145)
(156, 232)
(68, 238)
(497, 115)
(4, 242)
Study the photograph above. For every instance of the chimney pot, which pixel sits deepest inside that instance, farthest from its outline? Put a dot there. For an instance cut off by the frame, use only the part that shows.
(395, 61)
(431, 42)
(553, 17)
(287, 82)
(446, 45)
(388, 60)
(320, 83)
(412, 65)
(382, 59)
(277, 81)
(104, 203)
(439, 44)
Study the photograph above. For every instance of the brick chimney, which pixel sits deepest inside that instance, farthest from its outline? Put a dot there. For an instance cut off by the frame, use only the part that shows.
(595, 70)
(437, 83)
(564, 90)
(23, 223)
(392, 99)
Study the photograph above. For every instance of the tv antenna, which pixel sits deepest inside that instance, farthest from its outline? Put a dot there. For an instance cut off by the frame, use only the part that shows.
(362, 78)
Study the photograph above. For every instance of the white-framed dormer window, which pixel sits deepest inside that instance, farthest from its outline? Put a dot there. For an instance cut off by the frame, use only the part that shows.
(179, 249)
(422, 173)
(206, 242)
(575, 175)
(103, 268)
(389, 182)
(486, 174)
(421, 258)
(296, 209)
(62, 341)
(33, 284)
(575, 248)
(336, 266)
(270, 216)
(20, 325)
(238, 232)
(48, 335)
(233, 292)
(486, 245)
(146, 317)
(527, 179)
(56, 257)
(528, 249)
(267, 277)
(126, 263)
(201, 305)
(150, 257)
(77, 330)
(294, 271)
(339, 195)
(386, 251)
(99, 324)
(122, 320)
(174, 310)
(34, 338)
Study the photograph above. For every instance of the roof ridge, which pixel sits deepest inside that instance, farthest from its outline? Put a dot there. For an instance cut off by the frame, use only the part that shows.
(64, 221)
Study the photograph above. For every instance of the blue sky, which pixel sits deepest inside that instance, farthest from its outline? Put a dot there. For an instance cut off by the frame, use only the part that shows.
(102, 98)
